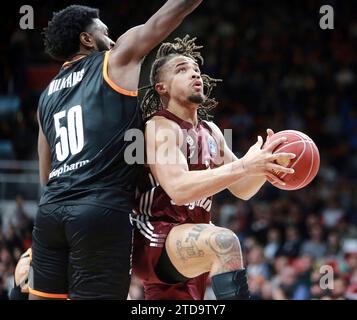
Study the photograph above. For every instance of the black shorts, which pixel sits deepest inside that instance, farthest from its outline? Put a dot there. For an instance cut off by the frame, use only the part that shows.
(81, 252)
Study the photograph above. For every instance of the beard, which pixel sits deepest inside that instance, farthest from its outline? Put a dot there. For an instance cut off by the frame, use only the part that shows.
(196, 98)
(102, 45)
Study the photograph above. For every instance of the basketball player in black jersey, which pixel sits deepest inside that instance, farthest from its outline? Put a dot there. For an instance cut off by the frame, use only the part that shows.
(82, 238)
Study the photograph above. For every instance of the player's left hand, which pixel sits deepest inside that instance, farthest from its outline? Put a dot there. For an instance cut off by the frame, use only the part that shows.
(272, 176)
(270, 133)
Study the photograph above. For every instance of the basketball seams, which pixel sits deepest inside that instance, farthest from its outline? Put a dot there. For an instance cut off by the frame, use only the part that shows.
(298, 159)
(311, 166)
(301, 137)
(287, 144)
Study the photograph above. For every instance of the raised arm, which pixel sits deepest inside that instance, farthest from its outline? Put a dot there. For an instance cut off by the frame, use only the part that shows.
(140, 40)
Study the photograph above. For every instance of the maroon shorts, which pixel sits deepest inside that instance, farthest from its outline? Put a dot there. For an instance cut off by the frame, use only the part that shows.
(149, 241)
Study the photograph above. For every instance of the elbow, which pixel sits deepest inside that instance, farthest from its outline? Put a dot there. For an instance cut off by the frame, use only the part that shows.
(245, 197)
(180, 201)
(177, 195)
(178, 198)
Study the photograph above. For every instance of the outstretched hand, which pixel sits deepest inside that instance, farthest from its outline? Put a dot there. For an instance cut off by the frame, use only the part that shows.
(260, 162)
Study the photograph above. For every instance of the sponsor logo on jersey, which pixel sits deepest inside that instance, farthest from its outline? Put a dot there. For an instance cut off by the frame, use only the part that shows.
(205, 203)
(67, 168)
(192, 146)
(212, 146)
(189, 140)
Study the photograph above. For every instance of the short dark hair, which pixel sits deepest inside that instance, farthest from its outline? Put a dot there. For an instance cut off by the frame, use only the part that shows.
(61, 37)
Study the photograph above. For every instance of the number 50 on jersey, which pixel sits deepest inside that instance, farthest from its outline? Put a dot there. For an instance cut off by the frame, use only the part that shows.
(71, 136)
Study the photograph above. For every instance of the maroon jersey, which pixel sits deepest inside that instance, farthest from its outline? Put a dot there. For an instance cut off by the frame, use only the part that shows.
(156, 214)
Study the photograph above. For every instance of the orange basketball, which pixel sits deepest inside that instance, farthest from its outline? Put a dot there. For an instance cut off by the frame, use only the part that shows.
(306, 163)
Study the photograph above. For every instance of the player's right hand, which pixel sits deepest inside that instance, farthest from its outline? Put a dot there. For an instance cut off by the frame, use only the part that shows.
(262, 162)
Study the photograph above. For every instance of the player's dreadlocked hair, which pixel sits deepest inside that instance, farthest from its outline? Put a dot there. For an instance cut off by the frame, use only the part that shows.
(61, 37)
(152, 103)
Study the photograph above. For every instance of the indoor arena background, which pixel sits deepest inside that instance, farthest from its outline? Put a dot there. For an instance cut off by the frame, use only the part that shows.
(280, 71)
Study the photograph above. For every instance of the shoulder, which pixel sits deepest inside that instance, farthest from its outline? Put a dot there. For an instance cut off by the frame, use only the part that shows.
(161, 122)
(95, 56)
(216, 133)
(162, 129)
(215, 129)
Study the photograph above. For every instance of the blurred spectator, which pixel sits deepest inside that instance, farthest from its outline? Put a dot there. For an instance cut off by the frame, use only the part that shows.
(315, 246)
(20, 220)
(273, 244)
(339, 289)
(332, 213)
(12, 239)
(288, 287)
(257, 266)
(291, 246)
(352, 288)
(333, 249)
(316, 291)
(227, 211)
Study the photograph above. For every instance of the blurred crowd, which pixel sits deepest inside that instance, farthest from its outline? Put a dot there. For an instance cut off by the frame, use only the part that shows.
(280, 71)
(15, 239)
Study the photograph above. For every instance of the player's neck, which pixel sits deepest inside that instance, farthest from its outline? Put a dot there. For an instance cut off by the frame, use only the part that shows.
(76, 57)
(188, 113)
(83, 52)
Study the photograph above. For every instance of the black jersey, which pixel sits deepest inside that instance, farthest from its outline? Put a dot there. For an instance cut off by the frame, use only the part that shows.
(84, 117)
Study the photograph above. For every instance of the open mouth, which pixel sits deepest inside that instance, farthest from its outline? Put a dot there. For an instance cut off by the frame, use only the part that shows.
(197, 85)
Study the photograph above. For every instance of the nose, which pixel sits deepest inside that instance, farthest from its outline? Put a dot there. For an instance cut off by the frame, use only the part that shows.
(196, 75)
(111, 44)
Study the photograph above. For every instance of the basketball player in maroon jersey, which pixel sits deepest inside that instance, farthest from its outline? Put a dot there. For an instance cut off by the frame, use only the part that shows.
(175, 246)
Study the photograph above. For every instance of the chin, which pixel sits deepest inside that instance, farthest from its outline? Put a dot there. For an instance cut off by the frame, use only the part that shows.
(196, 98)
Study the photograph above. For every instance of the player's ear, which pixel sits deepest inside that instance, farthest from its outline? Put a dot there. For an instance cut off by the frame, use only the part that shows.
(87, 40)
(160, 87)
